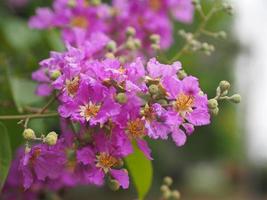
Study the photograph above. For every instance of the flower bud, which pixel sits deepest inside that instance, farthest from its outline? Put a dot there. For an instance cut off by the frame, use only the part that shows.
(155, 47)
(121, 98)
(137, 43)
(236, 98)
(221, 35)
(110, 55)
(153, 89)
(130, 44)
(163, 102)
(214, 111)
(224, 86)
(164, 188)
(95, 2)
(111, 46)
(29, 134)
(167, 181)
(212, 104)
(130, 31)
(155, 38)
(55, 74)
(176, 194)
(182, 74)
(114, 185)
(51, 138)
(72, 3)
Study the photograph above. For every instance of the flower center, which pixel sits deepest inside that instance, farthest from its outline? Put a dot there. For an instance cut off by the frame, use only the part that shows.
(149, 113)
(72, 86)
(136, 128)
(35, 155)
(184, 103)
(90, 110)
(106, 161)
(80, 22)
(155, 4)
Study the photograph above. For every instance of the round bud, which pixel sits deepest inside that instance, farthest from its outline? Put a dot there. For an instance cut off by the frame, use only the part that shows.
(195, 2)
(164, 188)
(182, 74)
(176, 194)
(55, 74)
(121, 98)
(72, 3)
(163, 102)
(153, 89)
(205, 46)
(212, 104)
(214, 111)
(224, 85)
(137, 43)
(111, 46)
(51, 138)
(110, 55)
(29, 134)
(236, 98)
(182, 33)
(130, 31)
(114, 185)
(221, 35)
(167, 194)
(155, 47)
(167, 181)
(154, 38)
(130, 44)
(95, 2)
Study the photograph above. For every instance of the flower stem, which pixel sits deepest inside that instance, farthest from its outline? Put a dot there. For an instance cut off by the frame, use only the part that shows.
(28, 116)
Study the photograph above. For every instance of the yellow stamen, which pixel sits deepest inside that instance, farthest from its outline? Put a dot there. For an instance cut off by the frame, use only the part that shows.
(184, 103)
(106, 161)
(80, 22)
(136, 128)
(90, 110)
(72, 86)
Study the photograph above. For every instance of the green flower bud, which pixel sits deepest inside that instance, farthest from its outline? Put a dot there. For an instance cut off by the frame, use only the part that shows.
(137, 43)
(163, 102)
(121, 98)
(154, 38)
(153, 89)
(95, 2)
(164, 188)
(29, 134)
(110, 55)
(55, 74)
(221, 35)
(168, 181)
(51, 138)
(182, 74)
(167, 194)
(214, 111)
(176, 194)
(130, 31)
(212, 104)
(155, 47)
(111, 46)
(130, 44)
(72, 3)
(236, 98)
(224, 86)
(114, 185)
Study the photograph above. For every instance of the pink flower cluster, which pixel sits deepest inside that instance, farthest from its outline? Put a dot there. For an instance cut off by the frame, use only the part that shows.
(78, 19)
(112, 103)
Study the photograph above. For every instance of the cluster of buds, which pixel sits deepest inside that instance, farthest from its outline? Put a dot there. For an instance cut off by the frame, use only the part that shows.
(30, 136)
(167, 192)
(221, 94)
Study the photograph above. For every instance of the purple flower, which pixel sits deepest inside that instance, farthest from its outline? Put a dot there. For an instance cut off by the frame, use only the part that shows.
(40, 163)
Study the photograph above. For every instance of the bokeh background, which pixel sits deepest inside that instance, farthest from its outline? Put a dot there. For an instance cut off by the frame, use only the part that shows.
(226, 160)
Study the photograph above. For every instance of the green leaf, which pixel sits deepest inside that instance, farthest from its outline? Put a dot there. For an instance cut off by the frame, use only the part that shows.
(5, 154)
(23, 92)
(141, 171)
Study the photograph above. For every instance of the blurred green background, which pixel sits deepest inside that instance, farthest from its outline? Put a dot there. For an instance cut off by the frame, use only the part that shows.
(212, 165)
